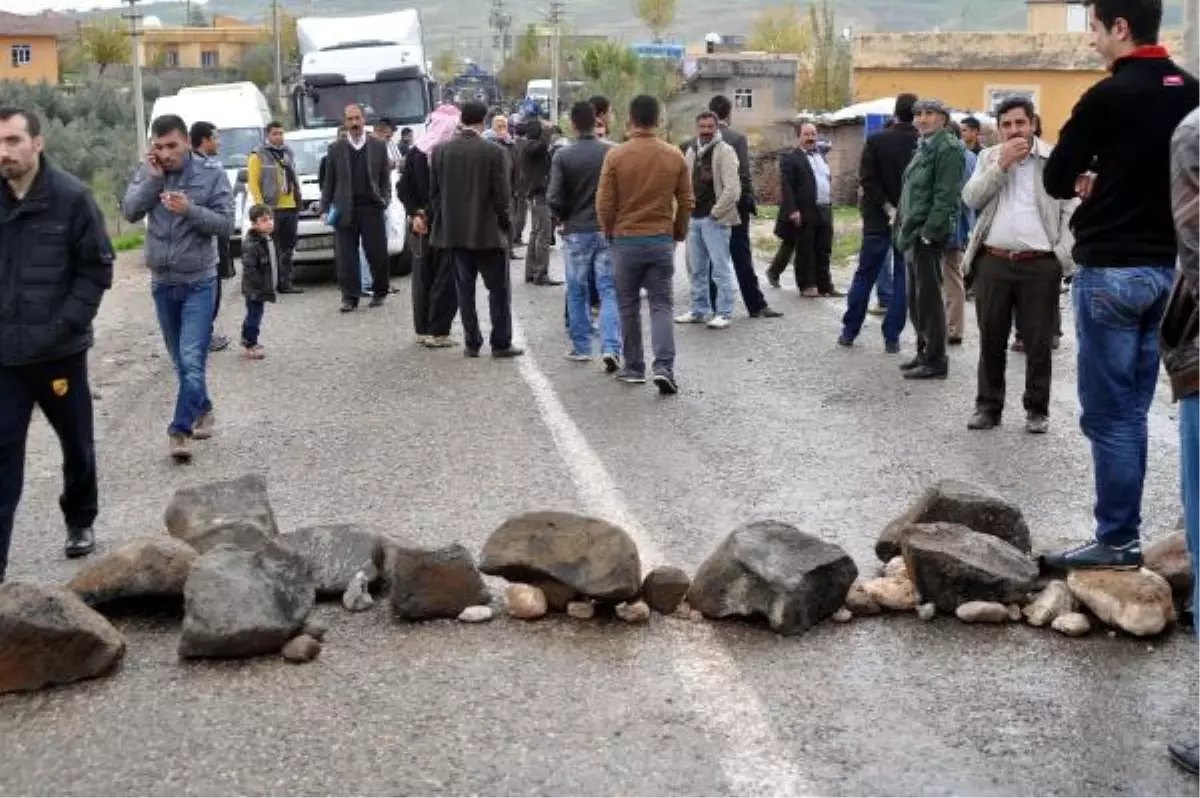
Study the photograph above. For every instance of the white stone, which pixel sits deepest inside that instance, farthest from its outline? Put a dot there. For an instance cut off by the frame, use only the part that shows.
(842, 616)
(358, 595)
(526, 602)
(1052, 602)
(897, 594)
(633, 612)
(583, 610)
(1139, 602)
(476, 614)
(927, 611)
(896, 568)
(982, 612)
(1072, 624)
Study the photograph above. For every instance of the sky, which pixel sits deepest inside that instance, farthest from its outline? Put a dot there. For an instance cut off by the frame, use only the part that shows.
(34, 6)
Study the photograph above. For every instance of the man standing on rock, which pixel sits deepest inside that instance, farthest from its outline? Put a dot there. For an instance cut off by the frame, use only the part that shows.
(56, 262)
(188, 203)
(1125, 250)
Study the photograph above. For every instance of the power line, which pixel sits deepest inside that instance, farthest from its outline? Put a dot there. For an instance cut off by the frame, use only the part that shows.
(555, 18)
(139, 98)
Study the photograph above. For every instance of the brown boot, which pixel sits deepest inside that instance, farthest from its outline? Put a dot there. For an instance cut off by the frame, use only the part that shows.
(180, 447)
(204, 426)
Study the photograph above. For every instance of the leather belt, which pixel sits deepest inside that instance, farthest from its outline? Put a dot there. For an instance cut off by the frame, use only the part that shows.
(1017, 257)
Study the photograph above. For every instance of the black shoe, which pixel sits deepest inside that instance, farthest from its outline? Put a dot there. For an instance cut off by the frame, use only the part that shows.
(469, 352)
(983, 420)
(844, 341)
(612, 363)
(349, 307)
(1186, 755)
(631, 377)
(1037, 424)
(81, 542)
(218, 343)
(1096, 556)
(666, 384)
(376, 302)
(507, 352)
(547, 281)
(891, 347)
(289, 289)
(955, 341)
(832, 293)
(926, 372)
(767, 312)
(909, 365)
(773, 280)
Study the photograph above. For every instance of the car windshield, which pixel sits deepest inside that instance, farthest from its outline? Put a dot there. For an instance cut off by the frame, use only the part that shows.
(308, 153)
(402, 101)
(236, 144)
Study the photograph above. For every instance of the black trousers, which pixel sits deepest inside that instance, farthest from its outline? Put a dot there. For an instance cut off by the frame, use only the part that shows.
(743, 266)
(287, 223)
(60, 388)
(434, 297)
(925, 306)
(811, 248)
(367, 224)
(1030, 289)
(492, 265)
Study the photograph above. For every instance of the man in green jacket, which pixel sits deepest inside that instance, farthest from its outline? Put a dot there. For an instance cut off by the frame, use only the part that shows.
(927, 215)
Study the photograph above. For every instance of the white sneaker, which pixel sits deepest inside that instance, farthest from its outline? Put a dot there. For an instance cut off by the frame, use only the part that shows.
(577, 357)
(689, 318)
(719, 322)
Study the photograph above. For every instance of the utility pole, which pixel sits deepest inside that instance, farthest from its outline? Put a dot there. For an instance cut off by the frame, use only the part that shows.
(556, 13)
(278, 57)
(139, 99)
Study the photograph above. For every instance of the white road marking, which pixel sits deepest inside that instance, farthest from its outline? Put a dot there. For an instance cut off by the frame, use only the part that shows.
(754, 762)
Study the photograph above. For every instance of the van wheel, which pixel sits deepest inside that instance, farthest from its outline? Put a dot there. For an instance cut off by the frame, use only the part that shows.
(401, 265)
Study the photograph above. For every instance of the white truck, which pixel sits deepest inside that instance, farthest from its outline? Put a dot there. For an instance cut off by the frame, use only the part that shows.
(376, 61)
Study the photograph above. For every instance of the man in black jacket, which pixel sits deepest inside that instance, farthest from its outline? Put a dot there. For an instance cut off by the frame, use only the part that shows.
(804, 224)
(357, 191)
(56, 262)
(470, 196)
(206, 144)
(1125, 250)
(881, 178)
(739, 234)
(535, 169)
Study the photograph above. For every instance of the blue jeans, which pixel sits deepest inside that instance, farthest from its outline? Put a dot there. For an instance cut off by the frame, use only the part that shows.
(876, 250)
(364, 270)
(883, 284)
(1189, 475)
(1117, 313)
(708, 243)
(588, 258)
(253, 322)
(185, 318)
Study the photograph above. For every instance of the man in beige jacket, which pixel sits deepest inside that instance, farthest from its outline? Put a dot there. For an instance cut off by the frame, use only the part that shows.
(1018, 252)
(713, 165)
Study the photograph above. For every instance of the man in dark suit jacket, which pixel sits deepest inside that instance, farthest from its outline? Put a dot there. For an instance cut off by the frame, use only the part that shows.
(357, 191)
(803, 225)
(470, 194)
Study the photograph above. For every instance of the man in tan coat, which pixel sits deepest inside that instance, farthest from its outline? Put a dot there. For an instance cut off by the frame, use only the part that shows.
(713, 166)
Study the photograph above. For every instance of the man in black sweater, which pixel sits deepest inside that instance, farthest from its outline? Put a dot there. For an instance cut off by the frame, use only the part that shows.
(1125, 250)
(881, 177)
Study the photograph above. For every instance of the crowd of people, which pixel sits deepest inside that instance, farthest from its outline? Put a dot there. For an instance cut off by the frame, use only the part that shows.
(942, 216)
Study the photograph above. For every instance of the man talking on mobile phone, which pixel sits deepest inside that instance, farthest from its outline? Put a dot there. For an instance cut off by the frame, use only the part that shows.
(187, 203)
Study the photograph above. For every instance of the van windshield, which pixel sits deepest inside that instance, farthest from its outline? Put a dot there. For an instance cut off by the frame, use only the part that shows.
(236, 145)
(308, 154)
(405, 102)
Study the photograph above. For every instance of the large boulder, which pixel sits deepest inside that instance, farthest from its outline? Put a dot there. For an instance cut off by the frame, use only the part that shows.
(240, 603)
(594, 557)
(772, 569)
(49, 636)
(142, 569)
(954, 502)
(1168, 557)
(233, 512)
(438, 583)
(336, 553)
(1138, 602)
(951, 565)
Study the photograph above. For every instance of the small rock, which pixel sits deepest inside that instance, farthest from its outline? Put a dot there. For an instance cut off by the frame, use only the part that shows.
(896, 568)
(526, 602)
(477, 614)
(357, 597)
(583, 610)
(955, 502)
(236, 512)
(952, 565)
(48, 636)
(842, 616)
(1139, 602)
(145, 568)
(315, 629)
(927, 611)
(441, 583)
(1014, 612)
(859, 602)
(1111, 633)
(337, 553)
(302, 649)
(633, 612)
(1169, 559)
(982, 612)
(1073, 624)
(664, 589)
(558, 595)
(1055, 600)
(892, 593)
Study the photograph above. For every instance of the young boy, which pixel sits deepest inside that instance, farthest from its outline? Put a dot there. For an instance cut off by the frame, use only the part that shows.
(259, 267)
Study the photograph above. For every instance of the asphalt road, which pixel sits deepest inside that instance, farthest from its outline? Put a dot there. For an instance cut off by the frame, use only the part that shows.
(353, 422)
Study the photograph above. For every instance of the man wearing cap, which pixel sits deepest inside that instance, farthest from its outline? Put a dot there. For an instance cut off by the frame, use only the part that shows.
(927, 215)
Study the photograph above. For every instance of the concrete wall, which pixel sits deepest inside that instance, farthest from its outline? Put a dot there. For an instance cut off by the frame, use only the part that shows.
(43, 64)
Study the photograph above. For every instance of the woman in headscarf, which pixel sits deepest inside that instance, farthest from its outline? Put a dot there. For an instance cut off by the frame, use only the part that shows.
(434, 299)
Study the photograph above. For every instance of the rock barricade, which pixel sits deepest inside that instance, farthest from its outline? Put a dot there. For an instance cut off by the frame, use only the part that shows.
(955, 502)
(1139, 602)
(145, 569)
(952, 565)
(434, 583)
(336, 553)
(235, 511)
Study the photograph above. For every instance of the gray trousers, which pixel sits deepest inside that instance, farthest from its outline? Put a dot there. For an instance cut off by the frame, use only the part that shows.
(925, 306)
(649, 265)
(537, 256)
(520, 209)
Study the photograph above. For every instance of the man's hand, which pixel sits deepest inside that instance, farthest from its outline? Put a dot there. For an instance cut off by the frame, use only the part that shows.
(419, 226)
(1084, 184)
(1013, 151)
(794, 217)
(890, 210)
(175, 201)
(153, 165)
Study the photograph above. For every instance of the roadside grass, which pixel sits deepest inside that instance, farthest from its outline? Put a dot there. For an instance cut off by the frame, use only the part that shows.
(842, 214)
(134, 239)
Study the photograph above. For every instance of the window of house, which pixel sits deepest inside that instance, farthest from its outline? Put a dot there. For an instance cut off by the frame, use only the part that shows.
(994, 95)
(1077, 18)
(171, 57)
(22, 55)
(743, 98)
(209, 60)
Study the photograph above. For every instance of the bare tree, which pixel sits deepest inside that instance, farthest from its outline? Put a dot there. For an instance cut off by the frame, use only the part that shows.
(657, 15)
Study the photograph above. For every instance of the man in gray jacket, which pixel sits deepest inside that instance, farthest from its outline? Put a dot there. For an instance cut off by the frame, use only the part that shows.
(187, 203)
